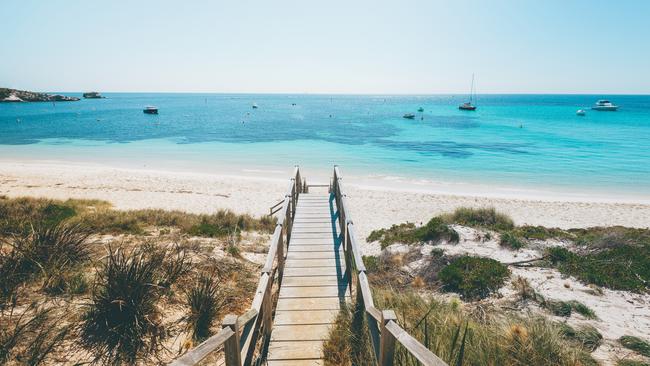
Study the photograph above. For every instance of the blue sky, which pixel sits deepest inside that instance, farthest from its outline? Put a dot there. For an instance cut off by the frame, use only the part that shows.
(419, 47)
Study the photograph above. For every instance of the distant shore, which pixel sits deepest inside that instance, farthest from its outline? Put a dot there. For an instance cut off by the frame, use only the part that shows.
(373, 207)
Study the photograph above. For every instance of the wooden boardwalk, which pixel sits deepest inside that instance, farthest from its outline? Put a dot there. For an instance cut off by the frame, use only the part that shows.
(313, 284)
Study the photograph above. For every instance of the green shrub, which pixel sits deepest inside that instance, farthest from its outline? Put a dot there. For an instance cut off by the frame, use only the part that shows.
(205, 300)
(510, 240)
(625, 267)
(487, 218)
(587, 336)
(371, 263)
(121, 323)
(565, 308)
(636, 344)
(631, 363)
(433, 231)
(474, 277)
(541, 232)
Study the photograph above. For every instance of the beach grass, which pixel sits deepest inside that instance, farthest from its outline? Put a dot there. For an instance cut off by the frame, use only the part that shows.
(496, 338)
(18, 214)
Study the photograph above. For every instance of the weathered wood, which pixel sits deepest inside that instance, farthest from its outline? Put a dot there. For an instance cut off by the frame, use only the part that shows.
(316, 271)
(273, 248)
(419, 351)
(305, 317)
(312, 291)
(313, 281)
(328, 254)
(310, 263)
(306, 332)
(201, 351)
(231, 346)
(295, 350)
(311, 362)
(387, 341)
(322, 303)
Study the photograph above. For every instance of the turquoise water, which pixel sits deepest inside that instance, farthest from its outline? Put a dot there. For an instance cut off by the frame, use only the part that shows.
(530, 141)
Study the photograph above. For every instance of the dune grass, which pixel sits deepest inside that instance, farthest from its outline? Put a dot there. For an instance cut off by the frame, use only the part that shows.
(487, 218)
(496, 339)
(50, 254)
(205, 299)
(17, 214)
(636, 344)
(433, 231)
(122, 321)
(30, 337)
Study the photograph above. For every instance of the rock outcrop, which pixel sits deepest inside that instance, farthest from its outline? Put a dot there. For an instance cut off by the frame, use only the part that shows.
(15, 95)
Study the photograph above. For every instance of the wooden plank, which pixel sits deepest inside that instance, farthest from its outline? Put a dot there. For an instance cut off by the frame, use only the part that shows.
(312, 281)
(295, 350)
(312, 291)
(315, 271)
(330, 254)
(322, 303)
(311, 241)
(309, 332)
(309, 263)
(305, 317)
(314, 362)
(300, 248)
(322, 236)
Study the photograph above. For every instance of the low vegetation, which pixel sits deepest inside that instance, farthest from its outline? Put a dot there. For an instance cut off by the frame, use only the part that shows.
(16, 216)
(71, 292)
(487, 218)
(473, 277)
(433, 232)
(636, 344)
(622, 267)
(205, 299)
(459, 335)
(586, 336)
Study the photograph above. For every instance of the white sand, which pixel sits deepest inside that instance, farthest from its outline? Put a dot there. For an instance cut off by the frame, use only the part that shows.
(372, 207)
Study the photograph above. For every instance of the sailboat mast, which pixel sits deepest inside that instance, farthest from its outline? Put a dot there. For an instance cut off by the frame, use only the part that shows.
(471, 90)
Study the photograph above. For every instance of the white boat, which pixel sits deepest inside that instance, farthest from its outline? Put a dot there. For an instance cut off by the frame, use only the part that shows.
(581, 112)
(468, 106)
(605, 105)
(409, 116)
(150, 109)
(254, 105)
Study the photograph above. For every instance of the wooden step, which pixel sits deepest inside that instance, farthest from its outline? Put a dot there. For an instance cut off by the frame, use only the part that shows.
(312, 303)
(294, 317)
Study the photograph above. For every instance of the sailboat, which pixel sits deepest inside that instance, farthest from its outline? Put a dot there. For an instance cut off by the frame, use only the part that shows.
(468, 106)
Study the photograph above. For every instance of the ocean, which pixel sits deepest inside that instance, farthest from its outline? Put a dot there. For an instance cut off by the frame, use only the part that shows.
(528, 143)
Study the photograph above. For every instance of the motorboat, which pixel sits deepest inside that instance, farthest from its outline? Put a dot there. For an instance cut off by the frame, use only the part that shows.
(409, 116)
(604, 105)
(581, 112)
(150, 110)
(254, 105)
(420, 109)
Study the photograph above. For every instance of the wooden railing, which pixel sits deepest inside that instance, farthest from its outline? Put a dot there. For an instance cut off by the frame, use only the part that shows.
(242, 337)
(385, 332)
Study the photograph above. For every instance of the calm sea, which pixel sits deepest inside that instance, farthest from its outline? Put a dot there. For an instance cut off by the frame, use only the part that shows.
(530, 142)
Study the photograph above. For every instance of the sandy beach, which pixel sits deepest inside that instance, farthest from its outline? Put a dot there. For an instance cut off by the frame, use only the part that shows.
(372, 207)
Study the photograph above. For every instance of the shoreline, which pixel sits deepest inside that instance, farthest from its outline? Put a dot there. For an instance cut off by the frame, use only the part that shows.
(371, 182)
(255, 192)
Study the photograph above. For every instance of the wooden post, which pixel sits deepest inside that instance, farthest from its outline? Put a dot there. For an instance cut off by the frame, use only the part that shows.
(267, 308)
(280, 257)
(231, 347)
(387, 341)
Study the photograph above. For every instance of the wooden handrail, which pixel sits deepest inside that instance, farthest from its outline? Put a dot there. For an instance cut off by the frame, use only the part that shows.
(384, 330)
(239, 334)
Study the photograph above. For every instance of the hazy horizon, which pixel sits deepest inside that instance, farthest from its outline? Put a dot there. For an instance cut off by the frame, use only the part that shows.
(361, 48)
